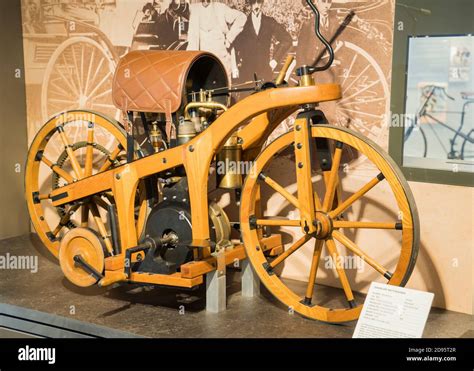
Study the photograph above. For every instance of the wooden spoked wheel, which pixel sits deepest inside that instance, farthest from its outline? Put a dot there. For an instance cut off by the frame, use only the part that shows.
(99, 147)
(79, 74)
(334, 236)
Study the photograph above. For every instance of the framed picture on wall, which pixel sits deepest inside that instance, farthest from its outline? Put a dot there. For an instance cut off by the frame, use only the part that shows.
(439, 125)
(433, 93)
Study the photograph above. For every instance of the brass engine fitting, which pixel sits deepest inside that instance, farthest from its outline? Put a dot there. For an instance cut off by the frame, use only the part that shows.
(210, 105)
(156, 138)
(186, 131)
(200, 110)
(229, 160)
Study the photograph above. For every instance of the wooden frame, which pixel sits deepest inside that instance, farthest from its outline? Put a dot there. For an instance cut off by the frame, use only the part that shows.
(261, 113)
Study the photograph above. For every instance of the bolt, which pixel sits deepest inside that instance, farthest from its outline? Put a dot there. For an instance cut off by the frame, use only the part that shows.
(117, 176)
(298, 127)
(300, 165)
(164, 160)
(299, 146)
(191, 148)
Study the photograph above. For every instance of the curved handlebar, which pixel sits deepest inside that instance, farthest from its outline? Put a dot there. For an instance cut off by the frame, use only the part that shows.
(321, 38)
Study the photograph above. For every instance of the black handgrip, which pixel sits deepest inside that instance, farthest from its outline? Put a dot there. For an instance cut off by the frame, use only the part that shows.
(321, 38)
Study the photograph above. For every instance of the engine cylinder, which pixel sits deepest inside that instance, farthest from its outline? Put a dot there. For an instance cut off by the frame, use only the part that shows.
(186, 131)
(229, 163)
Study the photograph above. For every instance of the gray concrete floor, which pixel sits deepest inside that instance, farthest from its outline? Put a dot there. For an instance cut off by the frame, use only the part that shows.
(155, 311)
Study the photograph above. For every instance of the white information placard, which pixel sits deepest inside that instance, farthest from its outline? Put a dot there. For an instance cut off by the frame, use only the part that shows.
(393, 312)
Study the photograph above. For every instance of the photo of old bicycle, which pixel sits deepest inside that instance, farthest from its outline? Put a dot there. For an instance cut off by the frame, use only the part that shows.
(427, 116)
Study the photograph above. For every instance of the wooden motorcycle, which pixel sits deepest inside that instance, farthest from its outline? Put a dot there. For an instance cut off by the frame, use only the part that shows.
(131, 203)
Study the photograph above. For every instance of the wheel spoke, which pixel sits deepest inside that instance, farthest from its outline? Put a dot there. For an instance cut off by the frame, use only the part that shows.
(60, 90)
(96, 72)
(368, 101)
(82, 66)
(66, 218)
(105, 93)
(314, 270)
(76, 69)
(356, 78)
(333, 178)
(68, 178)
(110, 197)
(278, 222)
(367, 225)
(348, 73)
(290, 251)
(360, 112)
(89, 151)
(72, 157)
(104, 79)
(356, 196)
(69, 81)
(345, 99)
(279, 189)
(101, 227)
(85, 215)
(89, 71)
(331, 245)
(66, 80)
(63, 101)
(317, 202)
(100, 202)
(356, 250)
(109, 160)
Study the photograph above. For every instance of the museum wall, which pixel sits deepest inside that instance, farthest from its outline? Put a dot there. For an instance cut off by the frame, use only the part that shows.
(55, 81)
(13, 143)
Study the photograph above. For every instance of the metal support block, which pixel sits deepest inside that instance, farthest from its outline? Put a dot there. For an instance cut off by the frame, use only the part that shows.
(250, 280)
(216, 286)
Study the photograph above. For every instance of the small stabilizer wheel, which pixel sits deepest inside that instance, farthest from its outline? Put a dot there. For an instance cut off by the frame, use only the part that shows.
(394, 267)
(81, 256)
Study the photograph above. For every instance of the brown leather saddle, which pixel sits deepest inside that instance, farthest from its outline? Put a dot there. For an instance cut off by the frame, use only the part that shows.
(162, 81)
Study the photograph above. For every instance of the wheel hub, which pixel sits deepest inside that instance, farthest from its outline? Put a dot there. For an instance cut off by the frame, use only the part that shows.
(82, 101)
(324, 225)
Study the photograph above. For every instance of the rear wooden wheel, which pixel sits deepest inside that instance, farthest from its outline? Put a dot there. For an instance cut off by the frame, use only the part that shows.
(338, 224)
(69, 147)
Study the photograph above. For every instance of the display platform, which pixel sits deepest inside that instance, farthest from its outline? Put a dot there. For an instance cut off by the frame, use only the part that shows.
(20, 322)
(131, 310)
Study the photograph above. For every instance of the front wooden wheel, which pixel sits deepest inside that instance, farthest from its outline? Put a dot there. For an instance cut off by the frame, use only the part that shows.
(69, 147)
(339, 218)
